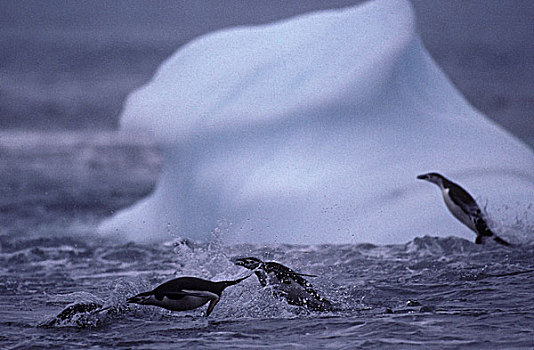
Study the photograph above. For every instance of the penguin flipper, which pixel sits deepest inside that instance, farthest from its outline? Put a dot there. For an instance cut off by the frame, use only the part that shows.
(192, 293)
(305, 274)
(463, 199)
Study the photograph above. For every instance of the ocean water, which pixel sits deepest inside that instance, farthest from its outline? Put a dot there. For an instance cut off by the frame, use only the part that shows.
(432, 293)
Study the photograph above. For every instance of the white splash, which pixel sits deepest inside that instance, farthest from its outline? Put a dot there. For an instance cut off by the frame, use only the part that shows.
(312, 130)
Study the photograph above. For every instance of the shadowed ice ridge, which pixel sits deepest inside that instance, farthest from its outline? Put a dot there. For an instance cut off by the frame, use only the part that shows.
(312, 130)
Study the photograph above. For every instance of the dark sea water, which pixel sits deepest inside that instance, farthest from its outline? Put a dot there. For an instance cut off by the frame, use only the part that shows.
(432, 293)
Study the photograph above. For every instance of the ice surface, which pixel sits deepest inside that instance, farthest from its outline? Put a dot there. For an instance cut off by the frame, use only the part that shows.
(312, 130)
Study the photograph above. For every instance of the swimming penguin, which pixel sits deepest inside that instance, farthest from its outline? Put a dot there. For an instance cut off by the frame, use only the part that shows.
(185, 293)
(463, 207)
(286, 283)
(77, 314)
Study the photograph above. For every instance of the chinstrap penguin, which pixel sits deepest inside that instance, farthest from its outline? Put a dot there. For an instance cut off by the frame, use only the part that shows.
(286, 283)
(185, 293)
(463, 207)
(78, 314)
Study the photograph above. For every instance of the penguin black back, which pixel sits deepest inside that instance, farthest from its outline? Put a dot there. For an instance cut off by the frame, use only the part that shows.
(190, 283)
(286, 283)
(185, 293)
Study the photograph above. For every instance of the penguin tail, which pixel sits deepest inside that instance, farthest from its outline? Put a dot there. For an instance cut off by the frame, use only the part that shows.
(501, 241)
(484, 231)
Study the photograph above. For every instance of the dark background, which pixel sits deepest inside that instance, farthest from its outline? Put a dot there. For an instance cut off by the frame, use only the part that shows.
(70, 64)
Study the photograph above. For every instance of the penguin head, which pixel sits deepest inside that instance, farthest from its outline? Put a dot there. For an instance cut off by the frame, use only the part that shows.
(432, 177)
(146, 298)
(250, 263)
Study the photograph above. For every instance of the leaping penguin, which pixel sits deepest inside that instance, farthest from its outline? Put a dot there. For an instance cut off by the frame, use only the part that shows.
(463, 207)
(185, 293)
(286, 283)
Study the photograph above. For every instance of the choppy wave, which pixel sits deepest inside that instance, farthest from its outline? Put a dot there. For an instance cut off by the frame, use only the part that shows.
(428, 292)
(62, 286)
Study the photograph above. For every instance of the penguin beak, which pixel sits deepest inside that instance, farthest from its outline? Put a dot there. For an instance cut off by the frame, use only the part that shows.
(133, 300)
(422, 177)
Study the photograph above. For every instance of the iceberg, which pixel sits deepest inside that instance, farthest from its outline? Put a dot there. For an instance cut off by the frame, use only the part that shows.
(312, 130)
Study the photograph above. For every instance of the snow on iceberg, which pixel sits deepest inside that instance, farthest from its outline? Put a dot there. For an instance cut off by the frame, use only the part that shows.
(312, 130)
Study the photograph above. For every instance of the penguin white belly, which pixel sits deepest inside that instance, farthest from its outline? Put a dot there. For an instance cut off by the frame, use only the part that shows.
(186, 303)
(457, 211)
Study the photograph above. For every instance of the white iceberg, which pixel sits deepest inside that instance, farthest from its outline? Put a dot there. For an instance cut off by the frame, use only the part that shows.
(313, 130)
